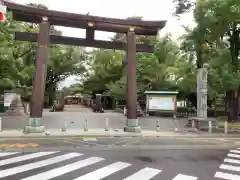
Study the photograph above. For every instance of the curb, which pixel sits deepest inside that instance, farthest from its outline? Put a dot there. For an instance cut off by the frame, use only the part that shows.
(152, 147)
(43, 137)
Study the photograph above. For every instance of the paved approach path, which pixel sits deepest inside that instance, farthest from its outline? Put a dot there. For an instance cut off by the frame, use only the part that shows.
(75, 117)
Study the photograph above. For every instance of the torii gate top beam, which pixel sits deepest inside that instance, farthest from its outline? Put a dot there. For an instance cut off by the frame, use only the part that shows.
(31, 14)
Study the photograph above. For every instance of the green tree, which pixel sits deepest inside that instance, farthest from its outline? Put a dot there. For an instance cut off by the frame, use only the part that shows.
(18, 58)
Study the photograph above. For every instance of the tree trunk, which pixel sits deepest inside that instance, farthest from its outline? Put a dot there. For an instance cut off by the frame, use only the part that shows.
(233, 104)
(229, 104)
(236, 104)
(51, 94)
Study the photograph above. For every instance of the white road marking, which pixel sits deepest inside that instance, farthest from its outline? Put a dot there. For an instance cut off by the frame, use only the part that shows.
(24, 157)
(104, 172)
(233, 155)
(144, 174)
(230, 167)
(64, 169)
(221, 139)
(89, 139)
(226, 176)
(184, 177)
(34, 165)
(234, 161)
(235, 151)
(2, 154)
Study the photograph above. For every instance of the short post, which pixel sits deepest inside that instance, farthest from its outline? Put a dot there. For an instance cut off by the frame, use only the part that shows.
(158, 126)
(0, 124)
(65, 126)
(217, 124)
(106, 124)
(125, 111)
(225, 127)
(174, 122)
(86, 124)
(210, 126)
(27, 108)
(174, 116)
(193, 123)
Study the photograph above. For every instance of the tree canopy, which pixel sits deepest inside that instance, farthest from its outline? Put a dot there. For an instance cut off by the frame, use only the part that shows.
(17, 60)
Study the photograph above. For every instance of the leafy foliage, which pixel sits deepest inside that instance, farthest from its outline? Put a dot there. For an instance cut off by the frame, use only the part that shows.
(17, 60)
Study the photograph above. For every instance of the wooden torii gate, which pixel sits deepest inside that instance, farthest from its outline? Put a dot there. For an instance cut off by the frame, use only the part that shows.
(46, 18)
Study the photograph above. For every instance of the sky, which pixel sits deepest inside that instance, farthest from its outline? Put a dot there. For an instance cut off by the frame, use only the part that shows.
(149, 10)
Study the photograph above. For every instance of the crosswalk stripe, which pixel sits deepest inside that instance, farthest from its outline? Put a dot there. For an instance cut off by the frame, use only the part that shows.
(235, 151)
(233, 155)
(184, 177)
(64, 169)
(232, 161)
(230, 167)
(2, 154)
(226, 176)
(24, 157)
(144, 174)
(104, 172)
(30, 166)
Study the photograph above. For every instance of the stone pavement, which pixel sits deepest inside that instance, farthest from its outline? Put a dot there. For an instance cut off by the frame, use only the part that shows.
(75, 119)
(92, 132)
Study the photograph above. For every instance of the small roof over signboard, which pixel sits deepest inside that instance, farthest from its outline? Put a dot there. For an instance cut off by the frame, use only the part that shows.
(161, 92)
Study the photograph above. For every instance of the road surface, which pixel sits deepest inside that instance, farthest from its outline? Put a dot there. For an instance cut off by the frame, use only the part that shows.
(90, 158)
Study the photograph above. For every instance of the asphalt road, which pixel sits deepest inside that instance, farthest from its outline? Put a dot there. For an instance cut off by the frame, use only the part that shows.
(114, 164)
(62, 158)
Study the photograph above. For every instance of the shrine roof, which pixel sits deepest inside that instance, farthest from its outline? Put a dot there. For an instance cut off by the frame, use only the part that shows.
(35, 15)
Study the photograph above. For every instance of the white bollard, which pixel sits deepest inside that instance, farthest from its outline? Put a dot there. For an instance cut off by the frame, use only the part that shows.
(193, 123)
(106, 124)
(27, 108)
(217, 125)
(65, 126)
(210, 126)
(86, 124)
(174, 116)
(225, 127)
(158, 126)
(124, 111)
(0, 124)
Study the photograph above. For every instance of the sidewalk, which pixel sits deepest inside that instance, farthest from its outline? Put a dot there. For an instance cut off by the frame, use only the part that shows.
(112, 133)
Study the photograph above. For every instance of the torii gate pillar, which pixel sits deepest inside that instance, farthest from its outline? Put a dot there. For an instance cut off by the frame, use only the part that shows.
(132, 120)
(35, 124)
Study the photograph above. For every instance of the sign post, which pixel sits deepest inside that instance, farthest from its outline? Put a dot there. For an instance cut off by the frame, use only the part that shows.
(202, 93)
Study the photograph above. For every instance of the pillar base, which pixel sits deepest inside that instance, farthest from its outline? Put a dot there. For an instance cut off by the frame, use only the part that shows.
(132, 126)
(34, 125)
